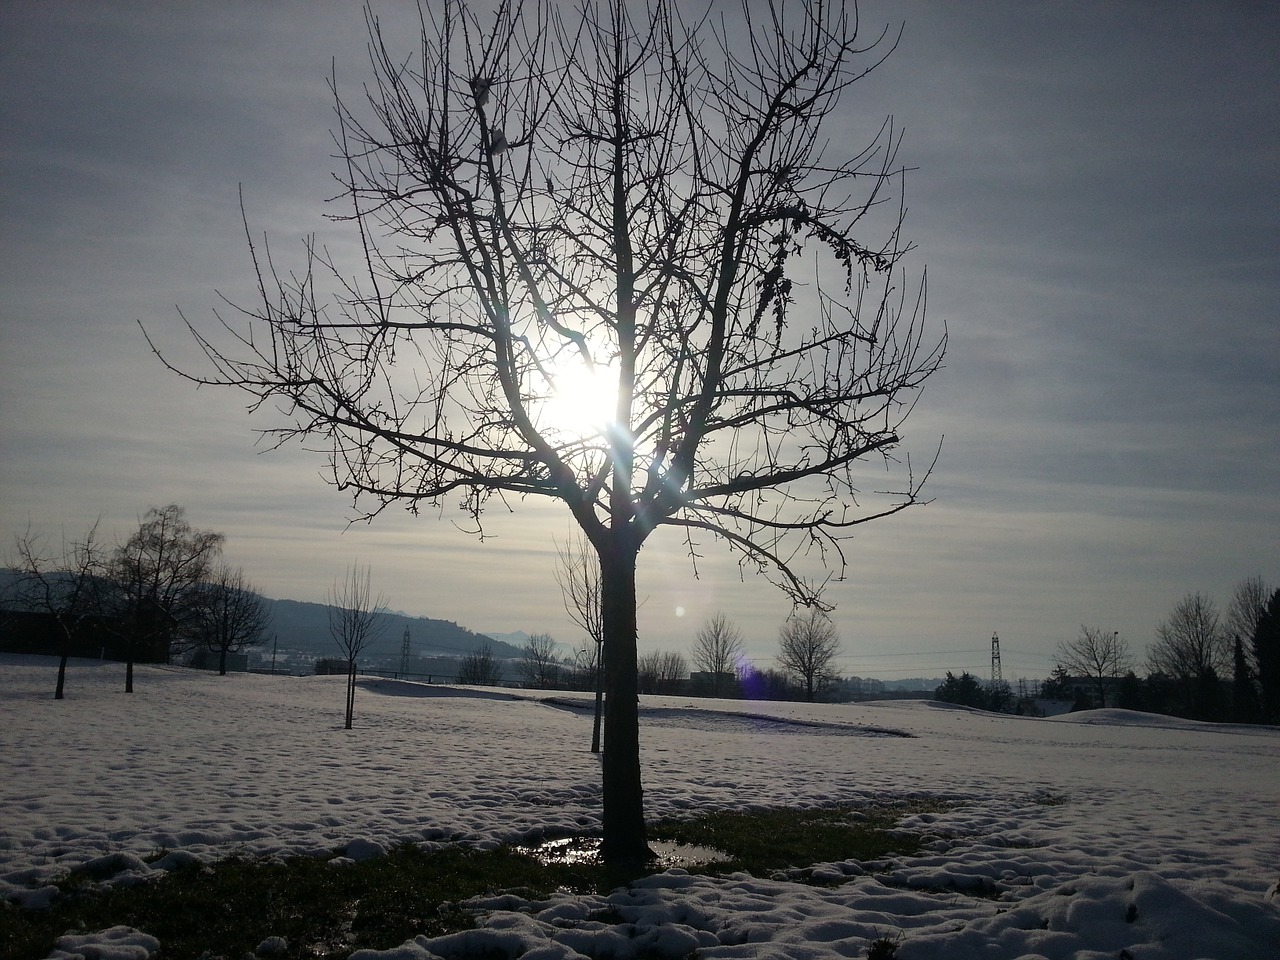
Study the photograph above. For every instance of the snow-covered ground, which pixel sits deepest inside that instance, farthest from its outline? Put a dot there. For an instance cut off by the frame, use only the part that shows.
(1087, 836)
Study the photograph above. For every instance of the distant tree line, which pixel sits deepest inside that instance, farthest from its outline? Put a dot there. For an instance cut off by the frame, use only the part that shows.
(967, 690)
(161, 594)
(1202, 665)
(716, 665)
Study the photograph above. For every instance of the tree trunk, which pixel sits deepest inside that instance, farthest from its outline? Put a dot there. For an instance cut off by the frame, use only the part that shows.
(351, 691)
(222, 661)
(595, 727)
(624, 845)
(62, 677)
(128, 674)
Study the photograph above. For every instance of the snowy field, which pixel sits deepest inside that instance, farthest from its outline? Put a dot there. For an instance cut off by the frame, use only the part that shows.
(1099, 835)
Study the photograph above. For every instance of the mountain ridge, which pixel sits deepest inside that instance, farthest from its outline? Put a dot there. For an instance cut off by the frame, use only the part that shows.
(303, 625)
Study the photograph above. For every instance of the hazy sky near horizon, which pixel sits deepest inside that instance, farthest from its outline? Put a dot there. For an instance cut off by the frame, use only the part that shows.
(1097, 200)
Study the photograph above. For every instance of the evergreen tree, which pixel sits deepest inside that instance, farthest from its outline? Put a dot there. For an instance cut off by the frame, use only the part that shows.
(965, 690)
(1129, 693)
(1058, 685)
(1266, 657)
(1244, 696)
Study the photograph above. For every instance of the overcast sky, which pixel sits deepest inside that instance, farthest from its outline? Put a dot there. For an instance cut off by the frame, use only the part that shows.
(1097, 200)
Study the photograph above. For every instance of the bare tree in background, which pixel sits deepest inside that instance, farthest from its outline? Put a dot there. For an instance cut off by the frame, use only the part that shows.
(66, 584)
(1192, 648)
(229, 614)
(662, 671)
(672, 672)
(717, 650)
(578, 575)
(808, 644)
(1248, 604)
(480, 667)
(154, 576)
(539, 666)
(1101, 655)
(356, 620)
(561, 196)
(647, 672)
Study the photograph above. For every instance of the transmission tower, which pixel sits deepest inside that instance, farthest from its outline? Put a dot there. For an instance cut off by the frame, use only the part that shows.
(404, 653)
(995, 659)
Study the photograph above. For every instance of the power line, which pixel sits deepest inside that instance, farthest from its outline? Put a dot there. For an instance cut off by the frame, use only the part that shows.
(920, 653)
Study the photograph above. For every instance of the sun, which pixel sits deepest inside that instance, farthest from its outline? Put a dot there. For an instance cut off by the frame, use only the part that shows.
(582, 399)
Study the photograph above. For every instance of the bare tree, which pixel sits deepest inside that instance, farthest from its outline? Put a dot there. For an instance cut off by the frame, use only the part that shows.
(673, 670)
(356, 620)
(1192, 648)
(662, 671)
(578, 574)
(582, 665)
(647, 667)
(807, 646)
(66, 585)
(1101, 655)
(717, 650)
(1248, 603)
(153, 577)
(480, 667)
(559, 197)
(229, 614)
(539, 666)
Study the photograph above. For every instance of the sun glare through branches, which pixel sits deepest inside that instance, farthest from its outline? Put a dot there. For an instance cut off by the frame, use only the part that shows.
(582, 400)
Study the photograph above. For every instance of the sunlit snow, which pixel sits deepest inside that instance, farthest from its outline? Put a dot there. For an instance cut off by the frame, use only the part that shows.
(1078, 837)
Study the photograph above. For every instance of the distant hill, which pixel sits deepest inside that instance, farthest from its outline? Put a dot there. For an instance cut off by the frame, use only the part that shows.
(305, 626)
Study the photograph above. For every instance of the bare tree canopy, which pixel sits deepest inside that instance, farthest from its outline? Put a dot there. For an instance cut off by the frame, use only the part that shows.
(539, 666)
(154, 577)
(1248, 604)
(66, 583)
(1192, 648)
(229, 614)
(612, 258)
(480, 667)
(808, 645)
(578, 575)
(717, 650)
(1191, 643)
(662, 671)
(1100, 655)
(355, 621)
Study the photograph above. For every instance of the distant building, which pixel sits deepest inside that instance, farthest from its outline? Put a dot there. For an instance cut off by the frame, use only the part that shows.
(706, 683)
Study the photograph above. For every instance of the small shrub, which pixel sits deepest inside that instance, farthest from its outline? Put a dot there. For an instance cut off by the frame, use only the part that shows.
(883, 948)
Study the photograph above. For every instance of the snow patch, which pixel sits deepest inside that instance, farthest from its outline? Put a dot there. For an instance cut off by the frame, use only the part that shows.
(1083, 836)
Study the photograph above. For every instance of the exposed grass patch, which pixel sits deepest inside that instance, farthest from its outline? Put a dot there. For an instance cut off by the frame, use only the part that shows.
(761, 841)
(323, 910)
(1047, 799)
